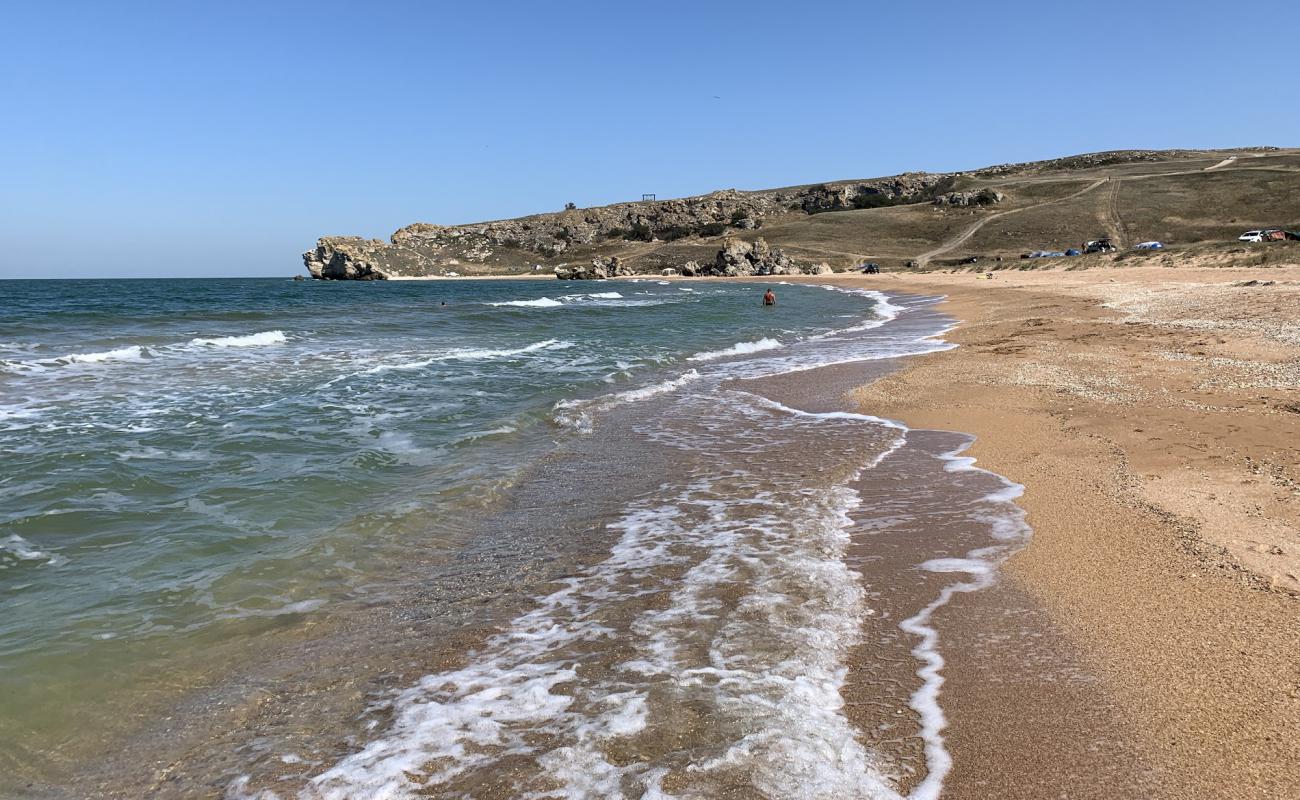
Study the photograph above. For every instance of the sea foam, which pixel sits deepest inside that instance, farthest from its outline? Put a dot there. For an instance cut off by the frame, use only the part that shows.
(541, 302)
(249, 340)
(739, 349)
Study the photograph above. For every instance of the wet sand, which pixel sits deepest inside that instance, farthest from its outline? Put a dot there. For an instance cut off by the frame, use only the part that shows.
(1147, 642)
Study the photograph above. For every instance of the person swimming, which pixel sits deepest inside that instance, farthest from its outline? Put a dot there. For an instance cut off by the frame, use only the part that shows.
(769, 299)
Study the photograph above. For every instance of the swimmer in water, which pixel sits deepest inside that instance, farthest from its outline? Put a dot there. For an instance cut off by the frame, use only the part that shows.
(769, 299)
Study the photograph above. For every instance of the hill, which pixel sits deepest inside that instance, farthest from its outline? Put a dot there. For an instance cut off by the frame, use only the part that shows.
(920, 220)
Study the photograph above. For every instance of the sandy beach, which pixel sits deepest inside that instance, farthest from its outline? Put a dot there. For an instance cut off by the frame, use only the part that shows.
(1145, 643)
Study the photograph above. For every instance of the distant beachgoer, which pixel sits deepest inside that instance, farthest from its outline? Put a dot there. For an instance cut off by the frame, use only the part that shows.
(444, 302)
(769, 299)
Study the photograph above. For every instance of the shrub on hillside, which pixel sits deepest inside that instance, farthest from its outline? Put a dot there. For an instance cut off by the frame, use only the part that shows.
(639, 232)
(674, 232)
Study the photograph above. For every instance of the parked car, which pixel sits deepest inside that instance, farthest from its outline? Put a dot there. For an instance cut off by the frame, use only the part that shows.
(971, 260)
(1251, 236)
(1102, 245)
(871, 268)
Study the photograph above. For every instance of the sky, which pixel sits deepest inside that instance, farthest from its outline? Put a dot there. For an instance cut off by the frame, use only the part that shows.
(196, 139)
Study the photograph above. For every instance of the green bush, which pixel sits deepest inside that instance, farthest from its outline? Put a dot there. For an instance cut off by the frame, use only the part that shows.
(737, 216)
(616, 233)
(714, 229)
(674, 232)
(872, 200)
(639, 232)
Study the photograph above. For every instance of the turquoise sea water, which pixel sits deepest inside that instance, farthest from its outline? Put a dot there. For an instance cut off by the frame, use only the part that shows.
(188, 464)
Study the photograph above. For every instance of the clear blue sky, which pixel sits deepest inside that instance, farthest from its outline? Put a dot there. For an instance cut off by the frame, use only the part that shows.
(214, 138)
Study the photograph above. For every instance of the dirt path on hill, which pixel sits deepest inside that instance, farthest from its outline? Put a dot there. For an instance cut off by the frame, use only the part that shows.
(1114, 222)
(965, 235)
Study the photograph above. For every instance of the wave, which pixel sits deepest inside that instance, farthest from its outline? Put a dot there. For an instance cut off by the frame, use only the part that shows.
(132, 353)
(883, 311)
(466, 354)
(250, 340)
(604, 299)
(773, 669)
(576, 414)
(138, 352)
(541, 302)
(739, 349)
(15, 547)
(549, 344)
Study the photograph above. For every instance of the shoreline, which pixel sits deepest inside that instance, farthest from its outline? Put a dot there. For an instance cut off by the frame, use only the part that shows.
(1086, 668)
(1173, 640)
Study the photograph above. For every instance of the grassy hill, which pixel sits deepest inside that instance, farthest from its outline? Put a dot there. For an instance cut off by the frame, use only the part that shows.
(1185, 199)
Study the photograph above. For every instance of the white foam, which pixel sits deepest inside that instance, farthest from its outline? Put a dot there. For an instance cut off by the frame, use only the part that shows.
(472, 353)
(981, 565)
(882, 310)
(577, 414)
(250, 340)
(20, 549)
(738, 349)
(769, 403)
(121, 354)
(541, 302)
(465, 354)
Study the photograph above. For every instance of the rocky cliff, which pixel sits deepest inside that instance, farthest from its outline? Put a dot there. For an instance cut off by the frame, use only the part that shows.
(517, 245)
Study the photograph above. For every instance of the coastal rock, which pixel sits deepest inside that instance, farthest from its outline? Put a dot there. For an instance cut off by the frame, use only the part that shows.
(819, 269)
(598, 270)
(739, 258)
(356, 259)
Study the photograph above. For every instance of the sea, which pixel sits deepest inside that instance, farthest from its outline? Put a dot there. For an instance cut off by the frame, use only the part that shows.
(266, 538)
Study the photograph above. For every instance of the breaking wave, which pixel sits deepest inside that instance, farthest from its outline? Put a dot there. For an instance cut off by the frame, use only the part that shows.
(251, 340)
(541, 302)
(740, 349)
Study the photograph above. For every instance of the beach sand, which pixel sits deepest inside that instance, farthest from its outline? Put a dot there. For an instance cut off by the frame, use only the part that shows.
(1147, 641)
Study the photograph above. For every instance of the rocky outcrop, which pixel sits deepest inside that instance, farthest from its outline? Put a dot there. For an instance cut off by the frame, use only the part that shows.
(423, 249)
(739, 258)
(351, 258)
(908, 187)
(982, 197)
(598, 270)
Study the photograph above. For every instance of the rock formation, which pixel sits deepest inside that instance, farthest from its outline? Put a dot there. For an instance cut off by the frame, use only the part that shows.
(739, 258)
(357, 259)
(983, 197)
(599, 269)
(423, 249)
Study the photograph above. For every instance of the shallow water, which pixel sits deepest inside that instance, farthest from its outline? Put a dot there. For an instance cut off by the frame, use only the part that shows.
(187, 462)
(534, 543)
